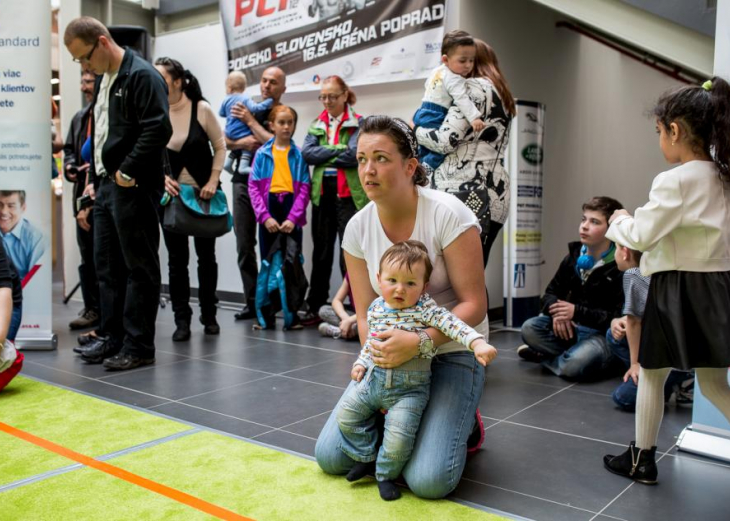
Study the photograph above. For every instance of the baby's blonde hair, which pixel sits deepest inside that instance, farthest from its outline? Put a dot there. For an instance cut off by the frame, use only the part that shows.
(236, 81)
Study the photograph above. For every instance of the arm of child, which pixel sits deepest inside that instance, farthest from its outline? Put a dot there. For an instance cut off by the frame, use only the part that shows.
(338, 302)
(298, 213)
(258, 108)
(449, 324)
(633, 335)
(456, 87)
(653, 221)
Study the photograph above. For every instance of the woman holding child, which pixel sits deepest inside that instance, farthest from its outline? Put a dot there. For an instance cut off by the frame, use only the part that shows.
(474, 157)
(403, 209)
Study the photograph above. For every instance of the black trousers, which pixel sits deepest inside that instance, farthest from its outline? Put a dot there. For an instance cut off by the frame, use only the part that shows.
(178, 259)
(329, 220)
(279, 208)
(244, 227)
(87, 269)
(494, 228)
(126, 242)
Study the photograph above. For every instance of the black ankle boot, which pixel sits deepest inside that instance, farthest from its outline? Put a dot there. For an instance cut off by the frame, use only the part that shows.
(182, 332)
(636, 464)
(210, 325)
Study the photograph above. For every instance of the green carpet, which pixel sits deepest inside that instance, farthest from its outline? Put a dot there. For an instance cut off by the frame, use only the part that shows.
(255, 481)
(87, 425)
(87, 494)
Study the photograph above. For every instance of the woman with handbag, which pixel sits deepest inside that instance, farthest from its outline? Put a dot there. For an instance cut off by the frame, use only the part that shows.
(195, 131)
(473, 169)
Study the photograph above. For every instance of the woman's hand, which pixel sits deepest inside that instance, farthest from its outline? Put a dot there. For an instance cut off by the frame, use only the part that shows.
(208, 191)
(633, 373)
(617, 214)
(286, 227)
(271, 225)
(396, 348)
(172, 187)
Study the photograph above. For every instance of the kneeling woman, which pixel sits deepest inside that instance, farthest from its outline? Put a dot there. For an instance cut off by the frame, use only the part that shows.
(402, 209)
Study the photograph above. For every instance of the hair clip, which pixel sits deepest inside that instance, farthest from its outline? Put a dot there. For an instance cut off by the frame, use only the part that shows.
(707, 85)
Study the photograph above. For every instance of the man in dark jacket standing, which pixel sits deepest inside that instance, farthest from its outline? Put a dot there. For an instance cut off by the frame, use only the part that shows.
(74, 169)
(586, 293)
(131, 127)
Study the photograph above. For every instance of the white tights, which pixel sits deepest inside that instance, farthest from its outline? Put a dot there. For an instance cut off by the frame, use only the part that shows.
(650, 400)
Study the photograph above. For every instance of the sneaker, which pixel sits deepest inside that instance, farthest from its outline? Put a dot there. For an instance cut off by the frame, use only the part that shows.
(527, 353)
(87, 318)
(684, 393)
(125, 361)
(307, 318)
(326, 329)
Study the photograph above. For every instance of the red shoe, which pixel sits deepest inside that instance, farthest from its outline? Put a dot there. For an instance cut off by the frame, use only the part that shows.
(476, 438)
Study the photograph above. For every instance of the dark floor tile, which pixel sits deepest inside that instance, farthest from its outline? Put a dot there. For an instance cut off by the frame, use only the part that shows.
(111, 392)
(275, 401)
(503, 397)
(210, 419)
(310, 427)
(66, 360)
(335, 371)
(289, 441)
(189, 377)
(272, 357)
(49, 374)
(518, 504)
(505, 340)
(596, 416)
(687, 489)
(550, 466)
(604, 387)
(516, 370)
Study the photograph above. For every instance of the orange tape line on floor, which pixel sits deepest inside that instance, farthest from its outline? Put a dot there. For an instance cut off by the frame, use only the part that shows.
(180, 497)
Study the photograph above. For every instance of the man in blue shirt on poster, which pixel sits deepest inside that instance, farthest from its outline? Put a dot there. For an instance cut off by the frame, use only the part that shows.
(24, 242)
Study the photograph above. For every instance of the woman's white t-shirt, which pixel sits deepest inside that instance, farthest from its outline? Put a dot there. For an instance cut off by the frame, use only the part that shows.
(440, 219)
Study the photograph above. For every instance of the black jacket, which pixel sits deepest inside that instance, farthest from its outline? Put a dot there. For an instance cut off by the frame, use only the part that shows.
(72, 150)
(597, 301)
(139, 123)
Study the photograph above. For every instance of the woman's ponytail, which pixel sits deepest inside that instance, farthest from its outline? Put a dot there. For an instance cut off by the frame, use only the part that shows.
(720, 136)
(191, 87)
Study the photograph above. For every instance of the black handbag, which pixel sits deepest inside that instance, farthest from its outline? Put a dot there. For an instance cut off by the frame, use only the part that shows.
(188, 214)
(475, 195)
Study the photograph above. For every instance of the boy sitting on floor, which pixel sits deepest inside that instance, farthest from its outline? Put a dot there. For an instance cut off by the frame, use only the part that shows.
(568, 338)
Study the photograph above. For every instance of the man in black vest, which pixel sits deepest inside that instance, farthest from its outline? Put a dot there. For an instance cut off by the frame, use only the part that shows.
(131, 127)
(74, 169)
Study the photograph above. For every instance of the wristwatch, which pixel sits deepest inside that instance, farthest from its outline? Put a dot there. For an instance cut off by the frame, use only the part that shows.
(425, 343)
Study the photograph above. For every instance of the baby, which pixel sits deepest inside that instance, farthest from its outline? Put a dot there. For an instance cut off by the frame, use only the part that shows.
(446, 86)
(239, 161)
(403, 276)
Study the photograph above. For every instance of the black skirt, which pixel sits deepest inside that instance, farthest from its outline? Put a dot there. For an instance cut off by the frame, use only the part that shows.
(686, 322)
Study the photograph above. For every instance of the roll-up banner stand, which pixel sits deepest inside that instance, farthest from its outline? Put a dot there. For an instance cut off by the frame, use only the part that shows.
(709, 434)
(25, 160)
(523, 229)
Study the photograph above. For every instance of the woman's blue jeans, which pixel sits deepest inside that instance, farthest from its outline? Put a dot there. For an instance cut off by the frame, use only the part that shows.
(439, 455)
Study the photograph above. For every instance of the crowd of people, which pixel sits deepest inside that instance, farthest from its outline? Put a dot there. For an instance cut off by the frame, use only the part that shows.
(413, 289)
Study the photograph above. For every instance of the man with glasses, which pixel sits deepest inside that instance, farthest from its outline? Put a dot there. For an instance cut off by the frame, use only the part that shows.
(74, 168)
(273, 85)
(129, 133)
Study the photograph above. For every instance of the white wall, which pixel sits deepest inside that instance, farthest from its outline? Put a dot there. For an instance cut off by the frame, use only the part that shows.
(598, 138)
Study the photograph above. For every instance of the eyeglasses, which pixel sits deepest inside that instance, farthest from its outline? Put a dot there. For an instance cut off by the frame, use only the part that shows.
(88, 56)
(329, 97)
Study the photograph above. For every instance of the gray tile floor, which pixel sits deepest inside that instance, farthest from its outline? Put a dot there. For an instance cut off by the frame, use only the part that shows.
(544, 441)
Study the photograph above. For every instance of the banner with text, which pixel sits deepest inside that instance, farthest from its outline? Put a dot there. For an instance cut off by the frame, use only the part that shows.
(363, 41)
(523, 229)
(25, 158)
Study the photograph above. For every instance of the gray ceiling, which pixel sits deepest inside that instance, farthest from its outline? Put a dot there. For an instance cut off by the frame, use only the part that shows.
(694, 14)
